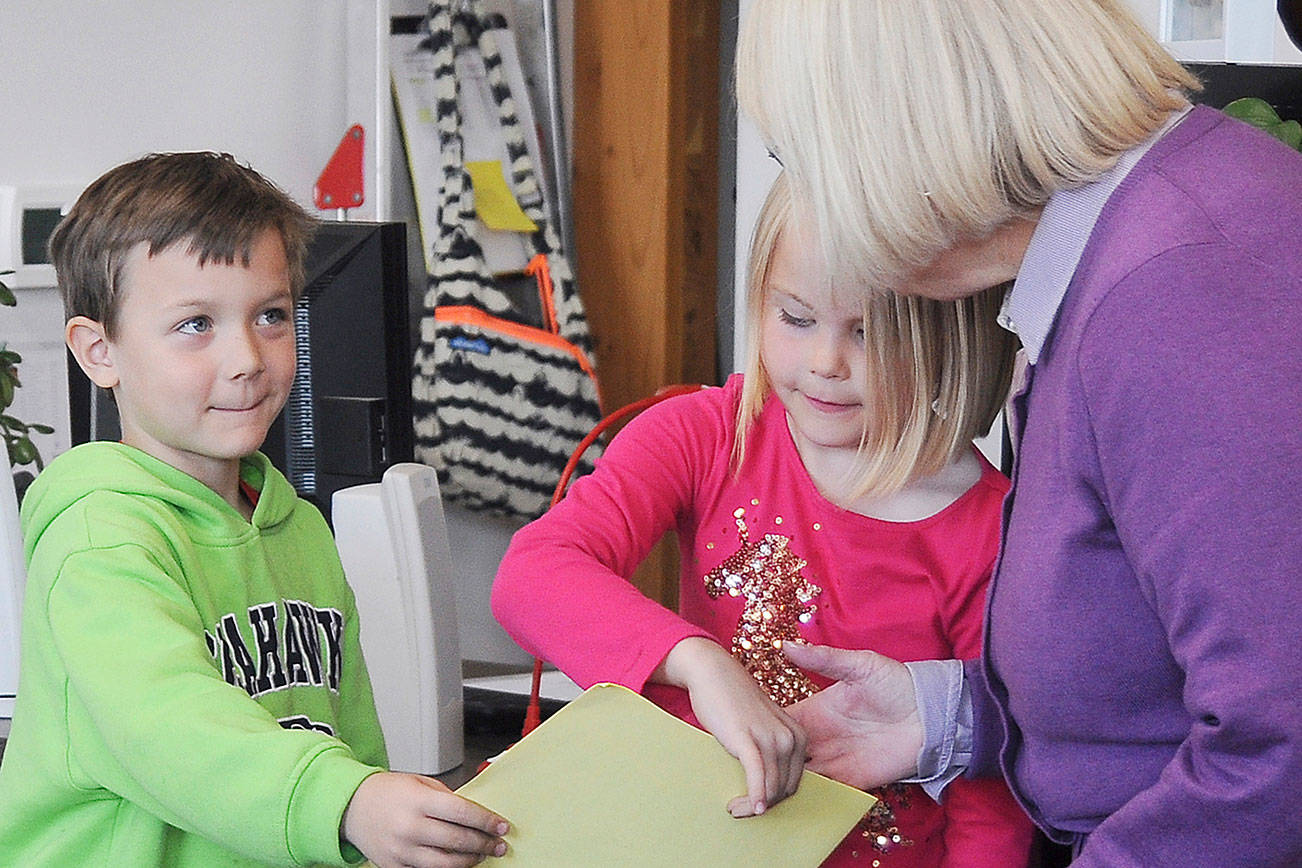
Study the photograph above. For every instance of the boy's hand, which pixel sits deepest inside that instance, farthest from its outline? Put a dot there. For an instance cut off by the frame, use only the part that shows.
(410, 820)
(729, 703)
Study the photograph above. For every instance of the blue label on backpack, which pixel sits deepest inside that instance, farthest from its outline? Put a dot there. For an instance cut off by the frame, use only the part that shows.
(474, 345)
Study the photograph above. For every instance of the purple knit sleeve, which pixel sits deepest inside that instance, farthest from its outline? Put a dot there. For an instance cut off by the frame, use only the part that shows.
(987, 727)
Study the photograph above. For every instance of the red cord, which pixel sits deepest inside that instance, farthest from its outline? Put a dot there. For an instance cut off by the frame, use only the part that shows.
(533, 713)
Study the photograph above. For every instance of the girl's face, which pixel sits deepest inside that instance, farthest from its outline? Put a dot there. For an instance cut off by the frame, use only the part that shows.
(812, 347)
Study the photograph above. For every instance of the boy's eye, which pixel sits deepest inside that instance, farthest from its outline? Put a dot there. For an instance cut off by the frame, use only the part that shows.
(273, 316)
(195, 326)
(791, 319)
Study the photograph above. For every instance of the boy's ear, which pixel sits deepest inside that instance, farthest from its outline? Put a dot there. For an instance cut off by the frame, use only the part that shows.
(89, 344)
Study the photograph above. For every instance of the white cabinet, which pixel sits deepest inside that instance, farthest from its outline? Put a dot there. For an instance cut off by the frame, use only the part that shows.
(1219, 31)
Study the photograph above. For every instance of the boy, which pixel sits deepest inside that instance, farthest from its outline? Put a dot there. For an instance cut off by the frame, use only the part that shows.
(192, 688)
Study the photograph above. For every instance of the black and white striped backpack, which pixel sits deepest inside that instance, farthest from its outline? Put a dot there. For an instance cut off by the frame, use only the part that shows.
(503, 391)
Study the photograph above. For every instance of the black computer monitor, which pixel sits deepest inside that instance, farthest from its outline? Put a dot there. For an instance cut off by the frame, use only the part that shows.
(349, 414)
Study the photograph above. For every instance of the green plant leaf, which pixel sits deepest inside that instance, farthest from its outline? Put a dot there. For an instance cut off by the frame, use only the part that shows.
(1288, 132)
(22, 451)
(1255, 111)
(18, 443)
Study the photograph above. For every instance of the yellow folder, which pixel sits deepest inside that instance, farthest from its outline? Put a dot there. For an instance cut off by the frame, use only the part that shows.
(611, 780)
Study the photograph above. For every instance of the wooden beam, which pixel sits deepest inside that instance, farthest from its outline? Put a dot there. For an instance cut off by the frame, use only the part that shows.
(646, 148)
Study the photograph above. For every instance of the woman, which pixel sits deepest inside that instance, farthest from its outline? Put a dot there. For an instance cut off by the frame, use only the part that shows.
(1138, 687)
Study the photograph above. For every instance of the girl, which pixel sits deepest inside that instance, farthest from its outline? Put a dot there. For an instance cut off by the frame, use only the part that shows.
(832, 495)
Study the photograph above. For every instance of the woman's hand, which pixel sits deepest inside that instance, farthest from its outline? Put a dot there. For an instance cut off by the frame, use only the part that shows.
(734, 709)
(865, 729)
(410, 820)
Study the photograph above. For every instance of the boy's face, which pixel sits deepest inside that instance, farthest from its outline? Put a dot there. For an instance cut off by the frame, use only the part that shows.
(203, 357)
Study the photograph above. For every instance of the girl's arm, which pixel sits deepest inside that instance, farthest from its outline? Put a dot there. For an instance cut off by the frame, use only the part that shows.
(732, 706)
(563, 590)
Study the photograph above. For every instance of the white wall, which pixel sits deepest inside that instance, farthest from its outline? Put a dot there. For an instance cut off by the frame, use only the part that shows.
(755, 173)
(89, 85)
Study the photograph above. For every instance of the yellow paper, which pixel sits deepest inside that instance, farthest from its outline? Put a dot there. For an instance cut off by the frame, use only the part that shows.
(613, 780)
(494, 202)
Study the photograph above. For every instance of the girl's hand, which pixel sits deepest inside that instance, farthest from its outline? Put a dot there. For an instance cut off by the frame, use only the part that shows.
(729, 703)
(411, 820)
(864, 730)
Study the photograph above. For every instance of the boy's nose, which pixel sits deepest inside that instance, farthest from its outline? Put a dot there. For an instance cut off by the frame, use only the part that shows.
(244, 356)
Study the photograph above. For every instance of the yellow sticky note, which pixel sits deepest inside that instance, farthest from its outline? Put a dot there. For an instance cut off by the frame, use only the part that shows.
(611, 779)
(494, 202)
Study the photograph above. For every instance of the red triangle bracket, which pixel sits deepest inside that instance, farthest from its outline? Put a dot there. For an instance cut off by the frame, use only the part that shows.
(340, 182)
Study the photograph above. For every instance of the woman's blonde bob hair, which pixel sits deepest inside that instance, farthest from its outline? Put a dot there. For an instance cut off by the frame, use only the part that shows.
(914, 124)
(938, 371)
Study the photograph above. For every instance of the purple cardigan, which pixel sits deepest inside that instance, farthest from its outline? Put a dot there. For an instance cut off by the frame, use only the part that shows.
(1142, 680)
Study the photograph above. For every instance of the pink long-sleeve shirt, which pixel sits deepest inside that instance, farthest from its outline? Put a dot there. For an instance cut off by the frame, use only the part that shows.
(764, 556)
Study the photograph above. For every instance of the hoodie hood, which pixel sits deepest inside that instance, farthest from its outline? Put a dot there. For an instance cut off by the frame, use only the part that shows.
(121, 469)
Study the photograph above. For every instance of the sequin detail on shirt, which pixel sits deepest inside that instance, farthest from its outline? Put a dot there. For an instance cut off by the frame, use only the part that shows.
(777, 599)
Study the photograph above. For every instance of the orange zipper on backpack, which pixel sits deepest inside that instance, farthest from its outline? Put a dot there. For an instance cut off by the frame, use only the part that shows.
(546, 298)
(471, 315)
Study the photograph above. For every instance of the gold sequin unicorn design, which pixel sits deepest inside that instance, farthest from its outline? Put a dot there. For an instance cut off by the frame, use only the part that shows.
(766, 574)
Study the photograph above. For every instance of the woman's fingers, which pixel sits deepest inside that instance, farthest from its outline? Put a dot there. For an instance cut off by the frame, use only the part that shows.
(837, 664)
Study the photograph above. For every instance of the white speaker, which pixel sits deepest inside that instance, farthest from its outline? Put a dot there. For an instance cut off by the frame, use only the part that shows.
(393, 542)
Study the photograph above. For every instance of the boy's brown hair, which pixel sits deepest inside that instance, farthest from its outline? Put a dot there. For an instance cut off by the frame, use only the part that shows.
(215, 204)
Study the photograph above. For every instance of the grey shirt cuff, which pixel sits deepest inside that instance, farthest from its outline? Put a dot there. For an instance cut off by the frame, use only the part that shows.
(945, 707)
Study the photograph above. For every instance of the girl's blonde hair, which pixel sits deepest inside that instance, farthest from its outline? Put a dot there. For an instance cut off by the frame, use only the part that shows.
(938, 371)
(913, 124)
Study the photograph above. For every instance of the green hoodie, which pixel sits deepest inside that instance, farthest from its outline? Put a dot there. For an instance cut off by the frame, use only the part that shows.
(192, 691)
